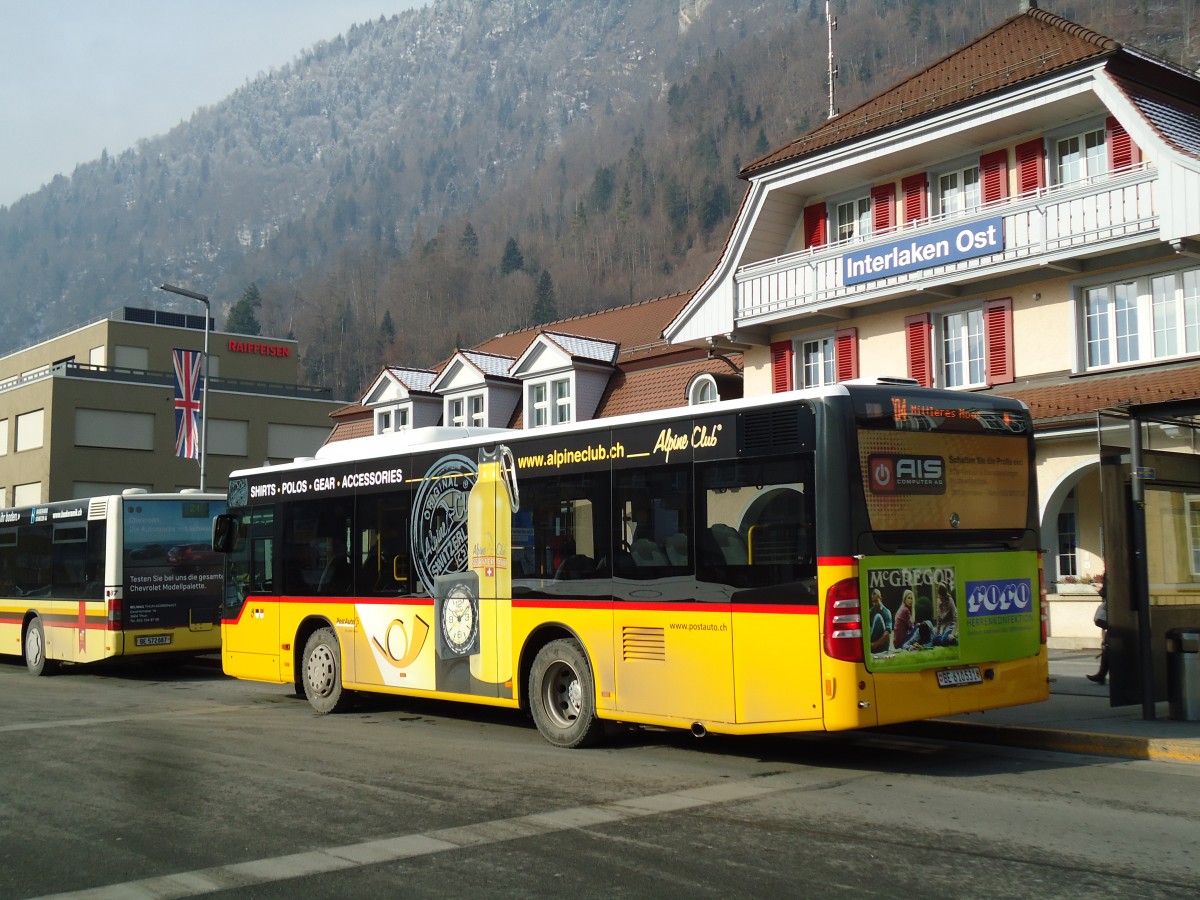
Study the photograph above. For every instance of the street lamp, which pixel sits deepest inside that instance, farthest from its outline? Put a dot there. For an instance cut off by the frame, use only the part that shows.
(203, 298)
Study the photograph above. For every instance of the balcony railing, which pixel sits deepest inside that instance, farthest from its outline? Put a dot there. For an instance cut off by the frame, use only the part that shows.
(1053, 225)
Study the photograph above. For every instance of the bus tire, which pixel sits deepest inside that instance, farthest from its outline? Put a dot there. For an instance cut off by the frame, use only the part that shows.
(323, 672)
(562, 696)
(34, 644)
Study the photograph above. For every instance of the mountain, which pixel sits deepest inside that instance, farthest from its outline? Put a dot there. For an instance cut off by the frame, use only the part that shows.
(476, 166)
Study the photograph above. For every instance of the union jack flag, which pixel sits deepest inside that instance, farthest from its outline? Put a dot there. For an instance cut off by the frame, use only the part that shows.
(187, 402)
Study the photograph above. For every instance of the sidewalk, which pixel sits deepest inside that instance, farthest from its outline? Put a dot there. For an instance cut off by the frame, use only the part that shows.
(1076, 719)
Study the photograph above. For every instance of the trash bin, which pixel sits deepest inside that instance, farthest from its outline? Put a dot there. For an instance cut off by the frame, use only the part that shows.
(1183, 673)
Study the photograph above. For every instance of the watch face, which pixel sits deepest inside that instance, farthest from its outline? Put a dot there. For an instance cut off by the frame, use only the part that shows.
(459, 620)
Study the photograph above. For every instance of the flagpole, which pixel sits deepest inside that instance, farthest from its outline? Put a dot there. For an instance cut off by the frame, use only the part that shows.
(203, 298)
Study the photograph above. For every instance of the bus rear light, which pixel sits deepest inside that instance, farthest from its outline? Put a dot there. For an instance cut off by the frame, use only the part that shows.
(114, 615)
(843, 621)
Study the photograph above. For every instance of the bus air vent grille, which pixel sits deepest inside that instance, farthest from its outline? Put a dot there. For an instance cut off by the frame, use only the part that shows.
(643, 643)
(97, 508)
(772, 429)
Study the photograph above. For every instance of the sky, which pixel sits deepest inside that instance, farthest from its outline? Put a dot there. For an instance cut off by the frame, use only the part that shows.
(81, 76)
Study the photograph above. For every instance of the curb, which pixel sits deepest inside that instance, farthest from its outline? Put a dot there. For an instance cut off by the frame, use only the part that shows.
(1124, 746)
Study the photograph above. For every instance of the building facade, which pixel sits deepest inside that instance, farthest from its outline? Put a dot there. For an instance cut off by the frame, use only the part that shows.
(1022, 217)
(92, 411)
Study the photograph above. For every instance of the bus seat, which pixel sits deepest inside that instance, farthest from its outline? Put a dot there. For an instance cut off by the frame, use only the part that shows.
(646, 552)
(733, 548)
(677, 549)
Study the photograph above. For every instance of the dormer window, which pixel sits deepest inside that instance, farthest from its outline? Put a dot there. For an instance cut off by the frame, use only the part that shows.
(703, 390)
(466, 411)
(550, 402)
(392, 419)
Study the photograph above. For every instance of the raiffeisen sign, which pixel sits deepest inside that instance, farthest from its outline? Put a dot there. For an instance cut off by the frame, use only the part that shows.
(948, 245)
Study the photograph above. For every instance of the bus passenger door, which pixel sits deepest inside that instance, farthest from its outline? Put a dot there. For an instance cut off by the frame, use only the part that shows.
(250, 616)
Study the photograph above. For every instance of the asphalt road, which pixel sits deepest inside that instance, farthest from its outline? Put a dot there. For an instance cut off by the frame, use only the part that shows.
(136, 782)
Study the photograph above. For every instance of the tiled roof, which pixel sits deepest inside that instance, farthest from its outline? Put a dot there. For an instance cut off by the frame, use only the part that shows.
(344, 429)
(1030, 45)
(585, 348)
(1178, 121)
(413, 379)
(1079, 399)
(489, 363)
(646, 390)
(633, 327)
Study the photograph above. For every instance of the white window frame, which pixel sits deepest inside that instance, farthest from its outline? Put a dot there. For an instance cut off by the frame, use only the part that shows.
(1142, 318)
(1192, 518)
(703, 390)
(962, 348)
(1080, 155)
(550, 401)
(391, 418)
(852, 218)
(817, 361)
(958, 190)
(476, 410)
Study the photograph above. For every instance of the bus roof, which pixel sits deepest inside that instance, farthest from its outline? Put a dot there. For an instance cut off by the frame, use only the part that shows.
(435, 438)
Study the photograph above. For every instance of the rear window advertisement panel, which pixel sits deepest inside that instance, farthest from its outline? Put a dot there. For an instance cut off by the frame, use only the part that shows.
(170, 567)
(936, 611)
(921, 481)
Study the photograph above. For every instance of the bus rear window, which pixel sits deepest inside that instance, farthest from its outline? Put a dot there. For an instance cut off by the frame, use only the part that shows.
(941, 461)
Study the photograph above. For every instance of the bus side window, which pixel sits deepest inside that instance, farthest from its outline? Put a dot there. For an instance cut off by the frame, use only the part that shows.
(250, 560)
(383, 560)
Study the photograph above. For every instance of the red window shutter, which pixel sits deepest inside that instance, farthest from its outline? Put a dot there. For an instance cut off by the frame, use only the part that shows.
(883, 208)
(781, 366)
(815, 222)
(1122, 151)
(1031, 168)
(845, 353)
(920, 349)
(916, 199)
(998, 334)
(993, 172)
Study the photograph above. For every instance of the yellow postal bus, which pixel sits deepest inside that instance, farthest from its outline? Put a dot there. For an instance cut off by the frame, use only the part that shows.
(847, 557)
(123, 575)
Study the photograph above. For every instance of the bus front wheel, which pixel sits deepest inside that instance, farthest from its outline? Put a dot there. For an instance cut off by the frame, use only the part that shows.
(562, 695)
(35, 649)
(323, 672)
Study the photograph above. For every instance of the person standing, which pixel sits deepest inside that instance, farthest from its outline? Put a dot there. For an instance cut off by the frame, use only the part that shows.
(1101, 620)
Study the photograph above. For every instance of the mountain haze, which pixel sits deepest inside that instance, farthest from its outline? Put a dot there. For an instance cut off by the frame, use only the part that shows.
(476, 166)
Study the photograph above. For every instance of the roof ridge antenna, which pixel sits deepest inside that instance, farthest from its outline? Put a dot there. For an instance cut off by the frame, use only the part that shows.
(831, 27)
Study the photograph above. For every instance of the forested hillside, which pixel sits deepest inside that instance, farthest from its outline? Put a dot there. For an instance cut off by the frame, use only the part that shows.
(453, 172)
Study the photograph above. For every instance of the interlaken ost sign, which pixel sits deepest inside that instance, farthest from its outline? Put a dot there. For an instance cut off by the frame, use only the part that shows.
(946, 245)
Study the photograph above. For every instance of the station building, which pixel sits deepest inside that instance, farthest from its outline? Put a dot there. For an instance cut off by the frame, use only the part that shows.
(92, 411)
(1022, 217)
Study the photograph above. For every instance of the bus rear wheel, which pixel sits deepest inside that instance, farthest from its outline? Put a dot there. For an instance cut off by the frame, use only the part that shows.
(562, 695)
(323, 672)
(34, 643)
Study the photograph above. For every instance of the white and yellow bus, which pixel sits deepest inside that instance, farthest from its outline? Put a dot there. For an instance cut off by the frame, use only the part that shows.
(122, 575)
(847, 557)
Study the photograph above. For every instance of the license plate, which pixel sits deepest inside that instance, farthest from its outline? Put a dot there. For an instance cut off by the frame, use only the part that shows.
(155, 640)
(957, 677)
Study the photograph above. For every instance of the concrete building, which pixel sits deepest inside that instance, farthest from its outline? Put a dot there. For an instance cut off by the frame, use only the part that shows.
(92, 411)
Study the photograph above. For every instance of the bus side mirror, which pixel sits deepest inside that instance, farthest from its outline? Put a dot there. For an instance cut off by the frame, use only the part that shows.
(223, 532)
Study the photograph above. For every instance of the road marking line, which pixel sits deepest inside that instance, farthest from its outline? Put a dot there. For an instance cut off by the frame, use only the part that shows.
(334, 859)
